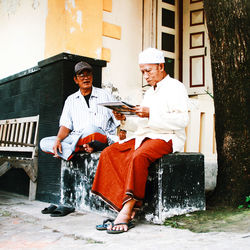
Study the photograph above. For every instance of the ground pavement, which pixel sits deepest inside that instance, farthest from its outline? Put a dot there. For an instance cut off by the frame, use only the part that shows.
(23, 226)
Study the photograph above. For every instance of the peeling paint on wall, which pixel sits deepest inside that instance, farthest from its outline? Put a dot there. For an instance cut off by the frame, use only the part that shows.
(10, 7)
(75, 26)
(73, 3)
(72, 29)
(35, 4)
(69, 2)
(79, 18)
(66, 6)
(108, 86)
(98, 53)
(76, 181)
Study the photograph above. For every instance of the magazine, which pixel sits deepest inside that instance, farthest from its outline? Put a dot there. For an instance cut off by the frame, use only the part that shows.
(120, 106)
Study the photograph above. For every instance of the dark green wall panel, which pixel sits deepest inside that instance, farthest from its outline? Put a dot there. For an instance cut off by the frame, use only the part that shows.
(42, 90)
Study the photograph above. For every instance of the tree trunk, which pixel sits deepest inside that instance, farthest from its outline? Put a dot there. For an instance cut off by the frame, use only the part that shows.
(228, 30)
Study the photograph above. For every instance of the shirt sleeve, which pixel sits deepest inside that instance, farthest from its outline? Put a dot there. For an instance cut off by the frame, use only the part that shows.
(172, 113)
(112, 122)
(66, 118)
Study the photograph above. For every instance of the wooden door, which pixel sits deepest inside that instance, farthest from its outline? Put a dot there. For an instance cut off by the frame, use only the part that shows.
(168, 34)
(196, 66)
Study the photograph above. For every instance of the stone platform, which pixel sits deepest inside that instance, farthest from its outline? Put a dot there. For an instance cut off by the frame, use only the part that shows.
(175, 186)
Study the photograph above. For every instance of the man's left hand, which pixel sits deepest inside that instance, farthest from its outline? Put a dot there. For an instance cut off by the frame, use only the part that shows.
(142, 111)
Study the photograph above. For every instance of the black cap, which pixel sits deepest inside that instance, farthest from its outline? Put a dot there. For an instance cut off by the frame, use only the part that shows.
(82, 66)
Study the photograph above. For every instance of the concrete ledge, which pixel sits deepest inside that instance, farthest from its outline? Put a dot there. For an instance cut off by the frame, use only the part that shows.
(77, 177)
(175, 186)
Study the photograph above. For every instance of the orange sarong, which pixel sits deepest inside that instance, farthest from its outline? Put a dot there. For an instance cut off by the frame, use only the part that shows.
(122, 171)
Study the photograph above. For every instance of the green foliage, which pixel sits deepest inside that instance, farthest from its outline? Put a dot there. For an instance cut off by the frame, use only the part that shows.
(4, 213)
(172, 223)
(218, 219)
(247, 205)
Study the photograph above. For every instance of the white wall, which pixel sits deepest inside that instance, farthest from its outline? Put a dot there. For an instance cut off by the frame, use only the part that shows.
(123, 70)
(22, 28)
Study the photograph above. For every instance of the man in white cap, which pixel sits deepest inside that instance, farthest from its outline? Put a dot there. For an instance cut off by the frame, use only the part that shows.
(123, 167)
(84, 125)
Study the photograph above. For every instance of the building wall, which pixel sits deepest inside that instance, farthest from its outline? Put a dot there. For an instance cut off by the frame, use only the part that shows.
(74, 26)
(33, 30)
(122, 70)
(22, 27)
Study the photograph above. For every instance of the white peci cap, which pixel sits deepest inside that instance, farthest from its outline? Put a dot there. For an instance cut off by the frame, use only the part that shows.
(151, 56)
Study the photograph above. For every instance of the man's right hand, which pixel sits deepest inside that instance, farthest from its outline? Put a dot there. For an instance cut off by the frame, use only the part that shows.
(62, 134)
(119, 116)
(57, 147)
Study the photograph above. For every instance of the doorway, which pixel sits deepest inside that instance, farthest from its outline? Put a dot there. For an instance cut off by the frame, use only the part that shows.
(182, 36)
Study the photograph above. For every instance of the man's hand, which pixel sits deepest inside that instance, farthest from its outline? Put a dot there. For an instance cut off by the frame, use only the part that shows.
(62, 134)
(57, 147)
(119, 116)
(142, 111)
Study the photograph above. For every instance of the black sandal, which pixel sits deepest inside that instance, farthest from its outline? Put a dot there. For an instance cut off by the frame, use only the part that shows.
(130, 225)
(104, 225)
(49, 210)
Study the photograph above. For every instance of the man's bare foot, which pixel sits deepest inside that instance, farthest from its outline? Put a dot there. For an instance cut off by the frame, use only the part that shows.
(87, 148)
(124, 216)
(121, 218)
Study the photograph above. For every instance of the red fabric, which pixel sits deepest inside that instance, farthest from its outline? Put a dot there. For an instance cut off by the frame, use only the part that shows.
(122, 171)
(95, 136)
(92, 137)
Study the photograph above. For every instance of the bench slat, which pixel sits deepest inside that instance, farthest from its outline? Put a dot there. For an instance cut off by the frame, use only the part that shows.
(12, 132)
(8, 132)
(36, 135)
(25, 134)
(30, 132)
(21, 120)
(20, 136)
(16, 132)
(1, 131)
(4, 131)
(18, 143)
(17, 149)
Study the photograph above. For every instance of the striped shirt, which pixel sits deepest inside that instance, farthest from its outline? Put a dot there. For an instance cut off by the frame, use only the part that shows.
(76, 114)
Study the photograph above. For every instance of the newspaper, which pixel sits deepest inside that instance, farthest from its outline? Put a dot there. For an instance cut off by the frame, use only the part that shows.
(120, 106)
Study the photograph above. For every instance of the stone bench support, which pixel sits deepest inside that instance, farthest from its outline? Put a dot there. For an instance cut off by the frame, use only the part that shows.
(175, 186)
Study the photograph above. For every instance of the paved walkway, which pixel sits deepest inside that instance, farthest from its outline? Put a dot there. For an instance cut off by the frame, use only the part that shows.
(23, 226)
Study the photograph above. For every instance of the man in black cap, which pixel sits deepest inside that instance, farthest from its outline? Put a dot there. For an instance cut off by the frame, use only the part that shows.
(84, 125)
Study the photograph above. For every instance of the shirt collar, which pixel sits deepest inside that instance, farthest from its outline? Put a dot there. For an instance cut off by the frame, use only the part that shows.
(93, 93)
(160, 83)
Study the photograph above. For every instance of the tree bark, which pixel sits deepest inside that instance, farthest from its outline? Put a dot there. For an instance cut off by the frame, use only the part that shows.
(229, 32)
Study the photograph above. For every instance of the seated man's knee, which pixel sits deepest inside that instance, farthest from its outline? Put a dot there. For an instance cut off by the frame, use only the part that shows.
(141, 156)
(47, 143)
(43, 143)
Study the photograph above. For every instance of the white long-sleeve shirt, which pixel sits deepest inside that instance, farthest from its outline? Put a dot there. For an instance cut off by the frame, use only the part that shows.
(168, 114)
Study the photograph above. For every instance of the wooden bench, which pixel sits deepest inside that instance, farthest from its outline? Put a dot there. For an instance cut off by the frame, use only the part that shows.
(19, 149)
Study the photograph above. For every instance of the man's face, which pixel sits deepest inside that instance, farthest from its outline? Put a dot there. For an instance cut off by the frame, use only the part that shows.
(153, 73)
(84, 79)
